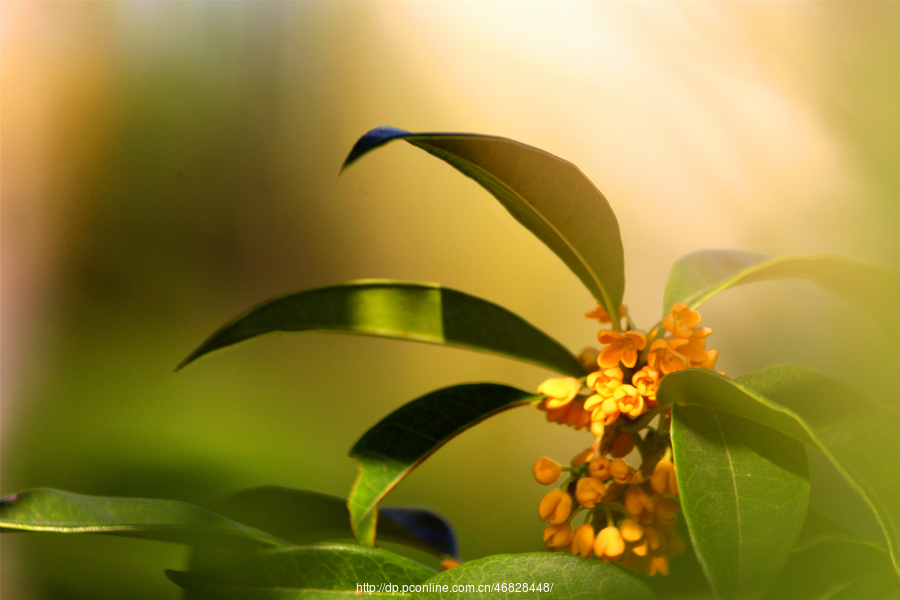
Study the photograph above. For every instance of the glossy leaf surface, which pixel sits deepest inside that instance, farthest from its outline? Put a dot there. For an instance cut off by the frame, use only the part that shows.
(559, 575)
(398, 443)
(698, 276)
(744, 490)
(409, 311)
(300, 572)
(305, 517)
(45, 509)
(828, 562)
(550, 196)
(852, 432)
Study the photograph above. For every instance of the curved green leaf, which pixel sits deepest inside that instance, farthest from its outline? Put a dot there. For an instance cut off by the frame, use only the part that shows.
(698, 276)
(301, 572)
(744, 490)
(304, 517)
(550, 196)
(830, 563)
(398, 443)
(44, 509)
(852, 432)
(535, 576)
(409, 311)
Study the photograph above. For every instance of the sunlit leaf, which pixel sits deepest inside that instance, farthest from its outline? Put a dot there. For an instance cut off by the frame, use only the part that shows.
(45, 509)
(536, 576)
(395, 446)
(409, 311)
(744, 490)
(550, 196)
(828, 562)
(305, 517)
(853, 433)
(301, 572)
(698, 276)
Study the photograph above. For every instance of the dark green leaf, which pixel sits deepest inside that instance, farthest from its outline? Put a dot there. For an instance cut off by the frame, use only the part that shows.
(829, 563)
(301, 572)
(855, 434)
(744, 490)
(305, 517)
(165, 520)
(409, 311)
(558, 575)
(697, 277)
(551, 197)
(407, 436)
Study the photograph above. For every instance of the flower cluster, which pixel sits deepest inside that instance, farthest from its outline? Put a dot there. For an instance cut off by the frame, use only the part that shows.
(630, 513)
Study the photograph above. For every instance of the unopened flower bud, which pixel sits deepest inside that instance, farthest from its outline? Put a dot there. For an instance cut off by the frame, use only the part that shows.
(583, 541)
(621, 472)
(589, 491)
(546, 471)
(663, 479)
(609, 543)
(558, 535)
(555, 507)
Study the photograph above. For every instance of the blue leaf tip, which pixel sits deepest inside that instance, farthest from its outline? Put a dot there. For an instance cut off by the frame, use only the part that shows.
(432, 528)
(371, 140)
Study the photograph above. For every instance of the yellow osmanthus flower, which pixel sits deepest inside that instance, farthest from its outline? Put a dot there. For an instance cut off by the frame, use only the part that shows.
(571, 414)
(639, 504)
(621, 472)
(583, 541)
(695, 349)
(599, 468)
(589, 491)
(555, 507)
(601, 315)
(646, 381)
(680, 320)
(546, 471)
(558, 535)
(629, 401)
(559, 391)
(609, 544)
(664, 356)
(622, 347)
(605, 382)
(663, 479)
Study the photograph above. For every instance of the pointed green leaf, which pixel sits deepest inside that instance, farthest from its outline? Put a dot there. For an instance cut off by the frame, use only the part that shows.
(395, 446)
(698, 276)
(551, 197)
(305, 517)
(536, 576)
(301, 572)
(409, 311)
(852, 432)
(744, 490)
(830, 563)
(45, 509)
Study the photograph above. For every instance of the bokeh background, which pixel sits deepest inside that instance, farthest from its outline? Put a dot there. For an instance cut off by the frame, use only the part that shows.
(167, 165)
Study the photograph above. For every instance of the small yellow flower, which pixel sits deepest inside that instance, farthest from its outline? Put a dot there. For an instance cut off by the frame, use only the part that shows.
(639, 504)
(605, 382)
(622, 347)
(608, 544)
(680, 320)
(571, 414)
(555, 507)
(599, 468)
(646, 381)
(712, 357)
(664, 510)
(621, 472)
(601, 315)
(631, 531)
(558, 535)
(583, 541)
(663, 480)
(663, 355)
(589, 491)
(629, 401)
(659, 564)
(546, 471)
(559, 391)
(695, 349)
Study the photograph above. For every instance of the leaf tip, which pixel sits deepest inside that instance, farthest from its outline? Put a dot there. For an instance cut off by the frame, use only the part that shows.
(371, 140)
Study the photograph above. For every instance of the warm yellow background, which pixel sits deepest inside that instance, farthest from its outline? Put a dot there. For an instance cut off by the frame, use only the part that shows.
(166, 165)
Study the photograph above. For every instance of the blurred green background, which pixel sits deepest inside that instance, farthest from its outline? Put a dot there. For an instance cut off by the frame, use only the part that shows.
(167, 165)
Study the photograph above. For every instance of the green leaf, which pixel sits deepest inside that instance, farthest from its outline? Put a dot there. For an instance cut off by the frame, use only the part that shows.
(398, 443)
(828, 562)
(301, 572)
(744, 490)
(551, 197)
(855, 434)
(558, 575)
(304, 517)
(45, 509)
(698, 276)
(409, 311)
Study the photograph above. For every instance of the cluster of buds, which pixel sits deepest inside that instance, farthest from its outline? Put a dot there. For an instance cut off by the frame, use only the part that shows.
(629, 519)
(630, 514)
